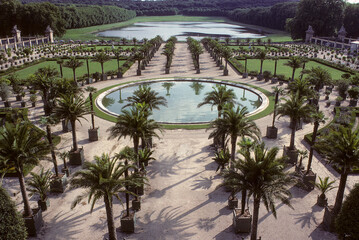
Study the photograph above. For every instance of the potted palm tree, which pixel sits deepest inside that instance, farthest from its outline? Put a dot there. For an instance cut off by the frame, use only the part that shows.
(58, 181)
(20, 145)
(144, 156)
(354, 95)
(102, 58)
(40, 184)
(341, 149)
(93, 131)
(33, 100)
(72, 108)
(104, 179)
(324, 186)
(227, 53)
(222, 157)
(272, 131)
(295, 108)
(5, 92)
(294, 62)
(73, 63)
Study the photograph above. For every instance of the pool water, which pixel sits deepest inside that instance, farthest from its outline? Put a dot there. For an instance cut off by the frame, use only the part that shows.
(182, 100)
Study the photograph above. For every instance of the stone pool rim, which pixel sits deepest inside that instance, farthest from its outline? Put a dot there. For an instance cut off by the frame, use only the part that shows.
(102, 108)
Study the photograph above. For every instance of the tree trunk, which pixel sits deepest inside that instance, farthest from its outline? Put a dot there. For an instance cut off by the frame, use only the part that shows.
(233, 153)
(74, 71)
(245, 65)
(292, 137)
(53, 155)
(61, 71)
(293, 74)
(27, 208)
(88, 68)
(311, 151)
(341, 189)
(260, 72)
(127, 194)
(74, 138)
(243, 201)
(110, 222)
(275, 68)
(92, 113)
(102, 70)
(256, 205)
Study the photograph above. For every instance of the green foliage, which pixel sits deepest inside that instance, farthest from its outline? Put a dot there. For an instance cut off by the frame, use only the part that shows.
(12, 225)
(351, 20)
(325, 16)
(324, 185)
(347, 221)
(40, 184)
(222, 158)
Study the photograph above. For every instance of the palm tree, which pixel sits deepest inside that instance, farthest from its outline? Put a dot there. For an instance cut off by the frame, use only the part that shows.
(219, 96)
(341, 148)
(296, 109)
(227, 53)
(275, 66)
(262, 56)
(318, 118)
(302, 86)
(138, 57)
(265, 179)
(73, 63)
(101, 58)
(88, 69)
(319, 77)
(134, 123)
(22, 145)
(48, 121)
(276, 92)
(234, 124)
(294, 62)
(60, 61)
(102, 179)
(145, 94)
(91, 90)
(71, 108)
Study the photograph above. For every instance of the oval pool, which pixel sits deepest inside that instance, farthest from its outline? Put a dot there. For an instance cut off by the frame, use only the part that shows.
(183, 96)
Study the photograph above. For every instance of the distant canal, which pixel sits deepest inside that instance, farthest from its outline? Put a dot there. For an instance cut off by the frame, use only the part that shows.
(182, 30)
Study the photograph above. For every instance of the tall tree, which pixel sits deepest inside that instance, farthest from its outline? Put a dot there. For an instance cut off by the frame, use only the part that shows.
(102, 179)
(294, 62)
(325, 16)
(101, 58)
(21, 145)
(71, 108)
(73, 63)
(145, 94)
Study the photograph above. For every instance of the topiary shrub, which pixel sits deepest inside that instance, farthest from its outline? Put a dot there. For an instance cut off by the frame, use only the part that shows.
(347, 221)
(12, 225)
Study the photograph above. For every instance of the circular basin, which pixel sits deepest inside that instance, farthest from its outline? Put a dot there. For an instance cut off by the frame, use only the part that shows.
(183, 96)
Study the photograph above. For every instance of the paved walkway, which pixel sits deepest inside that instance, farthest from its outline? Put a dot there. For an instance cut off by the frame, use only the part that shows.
(182, 201)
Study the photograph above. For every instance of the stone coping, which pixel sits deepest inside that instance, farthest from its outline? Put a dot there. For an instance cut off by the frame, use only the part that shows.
(264, 105)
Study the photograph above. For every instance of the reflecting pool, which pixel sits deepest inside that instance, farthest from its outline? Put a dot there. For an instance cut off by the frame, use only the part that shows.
(181, 30)
(182, 100)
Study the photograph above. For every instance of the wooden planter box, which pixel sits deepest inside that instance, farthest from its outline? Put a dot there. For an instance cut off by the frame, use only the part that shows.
(136, 204)
(76, 157)
(167, 70)
(58, 185)
(353, 103)
(141, 190)
(272, 132)
(291, 154)
(245, 75)
(274, 80)
(103, 77)
(128, 223)
(138, 72)
(93, 134)
(34, 223)
(18, 98)
(44, 204)
(225, 72)
(66, 127)
(322, 202)
(119, 75)
(242, 223)
(232, 202)
(23, 104)
(7, 104)
(309, 180)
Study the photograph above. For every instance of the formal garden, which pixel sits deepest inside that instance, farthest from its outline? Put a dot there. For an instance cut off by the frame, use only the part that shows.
(143, 177)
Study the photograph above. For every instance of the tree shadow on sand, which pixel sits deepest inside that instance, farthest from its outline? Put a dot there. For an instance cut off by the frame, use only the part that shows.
(307, 218)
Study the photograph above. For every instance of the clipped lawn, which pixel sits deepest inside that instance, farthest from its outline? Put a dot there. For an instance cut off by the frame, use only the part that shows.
(253, 47)
(268, 65)
(94, 67)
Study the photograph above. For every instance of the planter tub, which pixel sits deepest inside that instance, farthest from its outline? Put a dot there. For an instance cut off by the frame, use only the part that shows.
(242, 223)
(136, 204)
(18, 98)
(272, 132)
(58, 184)
(7, 104)
(44, 204)
(353, 103)
(309, 180)
(103, 77)
(329, 219)
(225, 72)
(138, 72)
(34, 223)
(232, 202)
(33, 104)
(66, 127)
(291, 154)
(76, 157)
(128, 223)
(119, 75)
(167, 71)
(141, 190)
(93, 134)
(322, 202)
(23, 104)
(198, 71)
(245, 75)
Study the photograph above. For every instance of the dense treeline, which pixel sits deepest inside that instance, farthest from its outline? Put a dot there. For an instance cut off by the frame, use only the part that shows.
(33, 18)
(273, 17)
(87, 15)
(351, 20)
